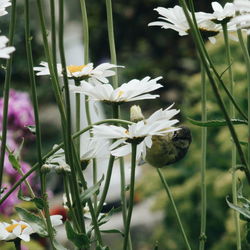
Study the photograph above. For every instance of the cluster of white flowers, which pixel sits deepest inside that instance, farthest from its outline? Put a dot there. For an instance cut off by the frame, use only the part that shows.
(5, 51)
(208, 23)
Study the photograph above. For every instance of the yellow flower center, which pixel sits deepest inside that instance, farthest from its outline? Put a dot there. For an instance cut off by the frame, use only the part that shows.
(120, 93)
(10, 228)
(75, 68)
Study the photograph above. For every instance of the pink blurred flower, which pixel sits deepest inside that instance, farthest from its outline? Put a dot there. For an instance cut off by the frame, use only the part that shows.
(7, 207)
(20, 113)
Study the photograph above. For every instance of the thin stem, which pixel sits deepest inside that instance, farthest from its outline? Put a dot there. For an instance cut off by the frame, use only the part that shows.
(69, 154)
(53, 35)
(17, 243)
(85, 31)
(203, 162)
(131, 196)
(111, 40)
(36, 165)
(233, 152)
(167, 189)
(6, 90)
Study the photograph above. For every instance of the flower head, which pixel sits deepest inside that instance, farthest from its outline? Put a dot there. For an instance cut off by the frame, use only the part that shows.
(134, 90)
(18, 229)
(86, 72)
(159, 123)
(5, 51)
(221, 14)
(3, 5)
(175, 19)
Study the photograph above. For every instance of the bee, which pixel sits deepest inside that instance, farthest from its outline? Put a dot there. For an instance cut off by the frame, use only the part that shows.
(170, 148)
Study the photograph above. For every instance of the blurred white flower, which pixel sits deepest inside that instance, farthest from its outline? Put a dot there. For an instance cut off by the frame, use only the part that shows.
(242, 5)
(3, 5)
(22, 230)
(86, 72)
(221, 14)
(5, 51)
(175, 19)
(18, 229)
(134, 90)
(159, 123)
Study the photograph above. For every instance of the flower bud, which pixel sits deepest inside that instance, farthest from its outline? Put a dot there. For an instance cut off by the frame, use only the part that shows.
(45, 168)
(136, 114)
(63, 169)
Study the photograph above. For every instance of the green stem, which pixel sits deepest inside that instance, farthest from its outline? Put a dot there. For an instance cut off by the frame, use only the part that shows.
(203, 162)
(69, 154)
(53, 36)
(167, 189)
(131, 196)
(36, 165)
(233, 152)
(6, 90)
(17, 243)
(85, 31)
(111, 40)
(247, 61)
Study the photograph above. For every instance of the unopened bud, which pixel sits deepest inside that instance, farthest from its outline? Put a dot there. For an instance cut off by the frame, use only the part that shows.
(136, 114)
(45, 168)
(63, 169)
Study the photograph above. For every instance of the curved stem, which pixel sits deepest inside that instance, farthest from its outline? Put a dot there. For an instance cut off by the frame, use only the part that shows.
(36, 165)
(167, 189)
(131, 196)
(233, 151)
(203, 162)
(6, 90)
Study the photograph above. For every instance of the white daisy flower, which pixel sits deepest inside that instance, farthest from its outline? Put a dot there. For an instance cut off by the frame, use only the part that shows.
(158, 123)
(5, 51)
(18, 229)
(221, 14)
(134, 90)
(95, 75)
(22, 230)
(3, 5)
(175, 19)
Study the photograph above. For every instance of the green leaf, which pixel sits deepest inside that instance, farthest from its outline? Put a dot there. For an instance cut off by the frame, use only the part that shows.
(14, 162)
(113, 231)
(87, 194)
(39, 202)
(217, 123)
(33, 220)
(32, 129)
(79, 239)
(21, 196)
(242, 210)
(244, 143)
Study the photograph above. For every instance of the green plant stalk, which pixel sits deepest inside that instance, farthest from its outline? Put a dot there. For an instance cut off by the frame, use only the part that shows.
(91, 208)
(36, 165)
(167, 189)
(131, 196)
(233, 152)
(69, 205)
(69, 154)
(53, 36)
(46, 210)
(109, 171)
(17, 243)
(204, 57)
(85, 31)
(203, 160)
(6, 90)
(247, 61)
(111, 40)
